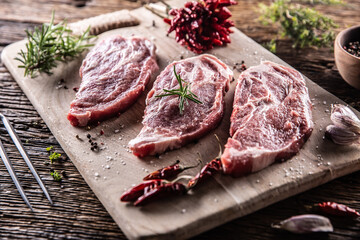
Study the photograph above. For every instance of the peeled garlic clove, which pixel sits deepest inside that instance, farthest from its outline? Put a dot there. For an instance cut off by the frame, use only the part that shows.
(341, 135)
(307, 223)
(342, 116)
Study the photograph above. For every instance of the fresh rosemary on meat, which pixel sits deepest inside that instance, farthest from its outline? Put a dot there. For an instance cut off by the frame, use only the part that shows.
(48, 45)
(183, 92)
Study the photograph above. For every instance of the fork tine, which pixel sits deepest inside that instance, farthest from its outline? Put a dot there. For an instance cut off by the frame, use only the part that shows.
(24, 154)
(10, 169)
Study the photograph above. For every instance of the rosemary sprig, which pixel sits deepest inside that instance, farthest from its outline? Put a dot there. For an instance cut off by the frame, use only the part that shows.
(305, 26)
(183, 92)
(49, 44)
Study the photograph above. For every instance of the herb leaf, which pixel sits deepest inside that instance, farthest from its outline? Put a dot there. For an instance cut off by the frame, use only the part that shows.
(49, 44)
(54, 156)
(56, 175)
(183, 92)
(305, 26)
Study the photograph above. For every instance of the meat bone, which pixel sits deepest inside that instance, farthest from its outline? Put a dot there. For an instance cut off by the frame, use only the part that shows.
(104, 22)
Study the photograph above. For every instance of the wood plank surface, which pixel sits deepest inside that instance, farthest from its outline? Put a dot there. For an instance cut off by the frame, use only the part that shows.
(229, 198)
(97, 224)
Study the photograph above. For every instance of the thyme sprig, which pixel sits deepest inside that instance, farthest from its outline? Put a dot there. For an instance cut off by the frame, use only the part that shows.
(327, 2)
(183, 92)
(305, 26)
(49, 44)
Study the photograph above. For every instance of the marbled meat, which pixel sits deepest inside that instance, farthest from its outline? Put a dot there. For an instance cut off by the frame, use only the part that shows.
(163, 125)
(271, 118)
(114, 74)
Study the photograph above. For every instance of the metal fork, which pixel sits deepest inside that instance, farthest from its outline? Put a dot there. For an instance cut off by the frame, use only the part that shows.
(26, 158)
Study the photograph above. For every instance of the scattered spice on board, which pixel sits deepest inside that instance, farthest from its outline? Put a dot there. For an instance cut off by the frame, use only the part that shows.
(240, 67)
(94, 145)
(353, 48)
(76, 89)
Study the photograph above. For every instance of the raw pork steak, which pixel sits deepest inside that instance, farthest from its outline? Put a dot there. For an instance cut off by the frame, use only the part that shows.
(163, 125)
(271, 118)
(114, 74)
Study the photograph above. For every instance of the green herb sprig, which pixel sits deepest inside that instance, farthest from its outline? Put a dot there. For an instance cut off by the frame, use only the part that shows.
(56, 175)
(305, 26)
(49, 44)
(326, 2)
(183, 92)
(53, 154)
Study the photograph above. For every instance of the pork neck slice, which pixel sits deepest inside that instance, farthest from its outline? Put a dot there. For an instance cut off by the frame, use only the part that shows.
(163, 125)
(271, 118)
(114, 74)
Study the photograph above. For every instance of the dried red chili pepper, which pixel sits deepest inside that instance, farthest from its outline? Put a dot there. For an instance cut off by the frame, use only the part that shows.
(168, 172)
(134, 193)
(152, 193)
(202, 25)
(208, 170)
(336, 209)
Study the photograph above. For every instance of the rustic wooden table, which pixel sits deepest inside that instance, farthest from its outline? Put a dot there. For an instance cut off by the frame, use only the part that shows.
(77, 213)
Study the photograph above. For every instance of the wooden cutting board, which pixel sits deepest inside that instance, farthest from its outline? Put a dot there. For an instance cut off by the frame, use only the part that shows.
(222, 198)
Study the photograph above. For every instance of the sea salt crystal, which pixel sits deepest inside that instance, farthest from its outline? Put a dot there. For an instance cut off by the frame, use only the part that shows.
(257, 181)
(270, 184)
(107, 167)
(183, 210)
(97, 174)
(116, 130)
(324, 102)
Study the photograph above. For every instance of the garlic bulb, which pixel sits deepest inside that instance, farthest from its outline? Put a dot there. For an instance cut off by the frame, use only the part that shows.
(341, 135)
(342, 116)
(307, 223)
(346, 128)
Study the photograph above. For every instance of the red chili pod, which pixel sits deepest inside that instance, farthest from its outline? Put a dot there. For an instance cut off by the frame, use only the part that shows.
(337, 209)
(208, 170)
(168, 172)
(153, 193)
(134, 193)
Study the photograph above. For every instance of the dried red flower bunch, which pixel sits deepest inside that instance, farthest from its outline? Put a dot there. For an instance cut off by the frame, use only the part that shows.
(202, 25)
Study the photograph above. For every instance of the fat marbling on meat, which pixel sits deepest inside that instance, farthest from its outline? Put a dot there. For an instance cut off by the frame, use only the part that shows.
(163, 125)
(114, 74)
(271, 118)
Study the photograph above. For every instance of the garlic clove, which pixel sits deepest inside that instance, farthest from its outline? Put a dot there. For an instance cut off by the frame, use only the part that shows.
(341, 135)
(342, 116)
(306, 223)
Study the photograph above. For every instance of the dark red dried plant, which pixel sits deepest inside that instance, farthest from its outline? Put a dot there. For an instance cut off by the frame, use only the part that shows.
(202, 25)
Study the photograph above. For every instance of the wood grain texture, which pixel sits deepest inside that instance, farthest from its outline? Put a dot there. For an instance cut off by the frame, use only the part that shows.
(84, 216)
